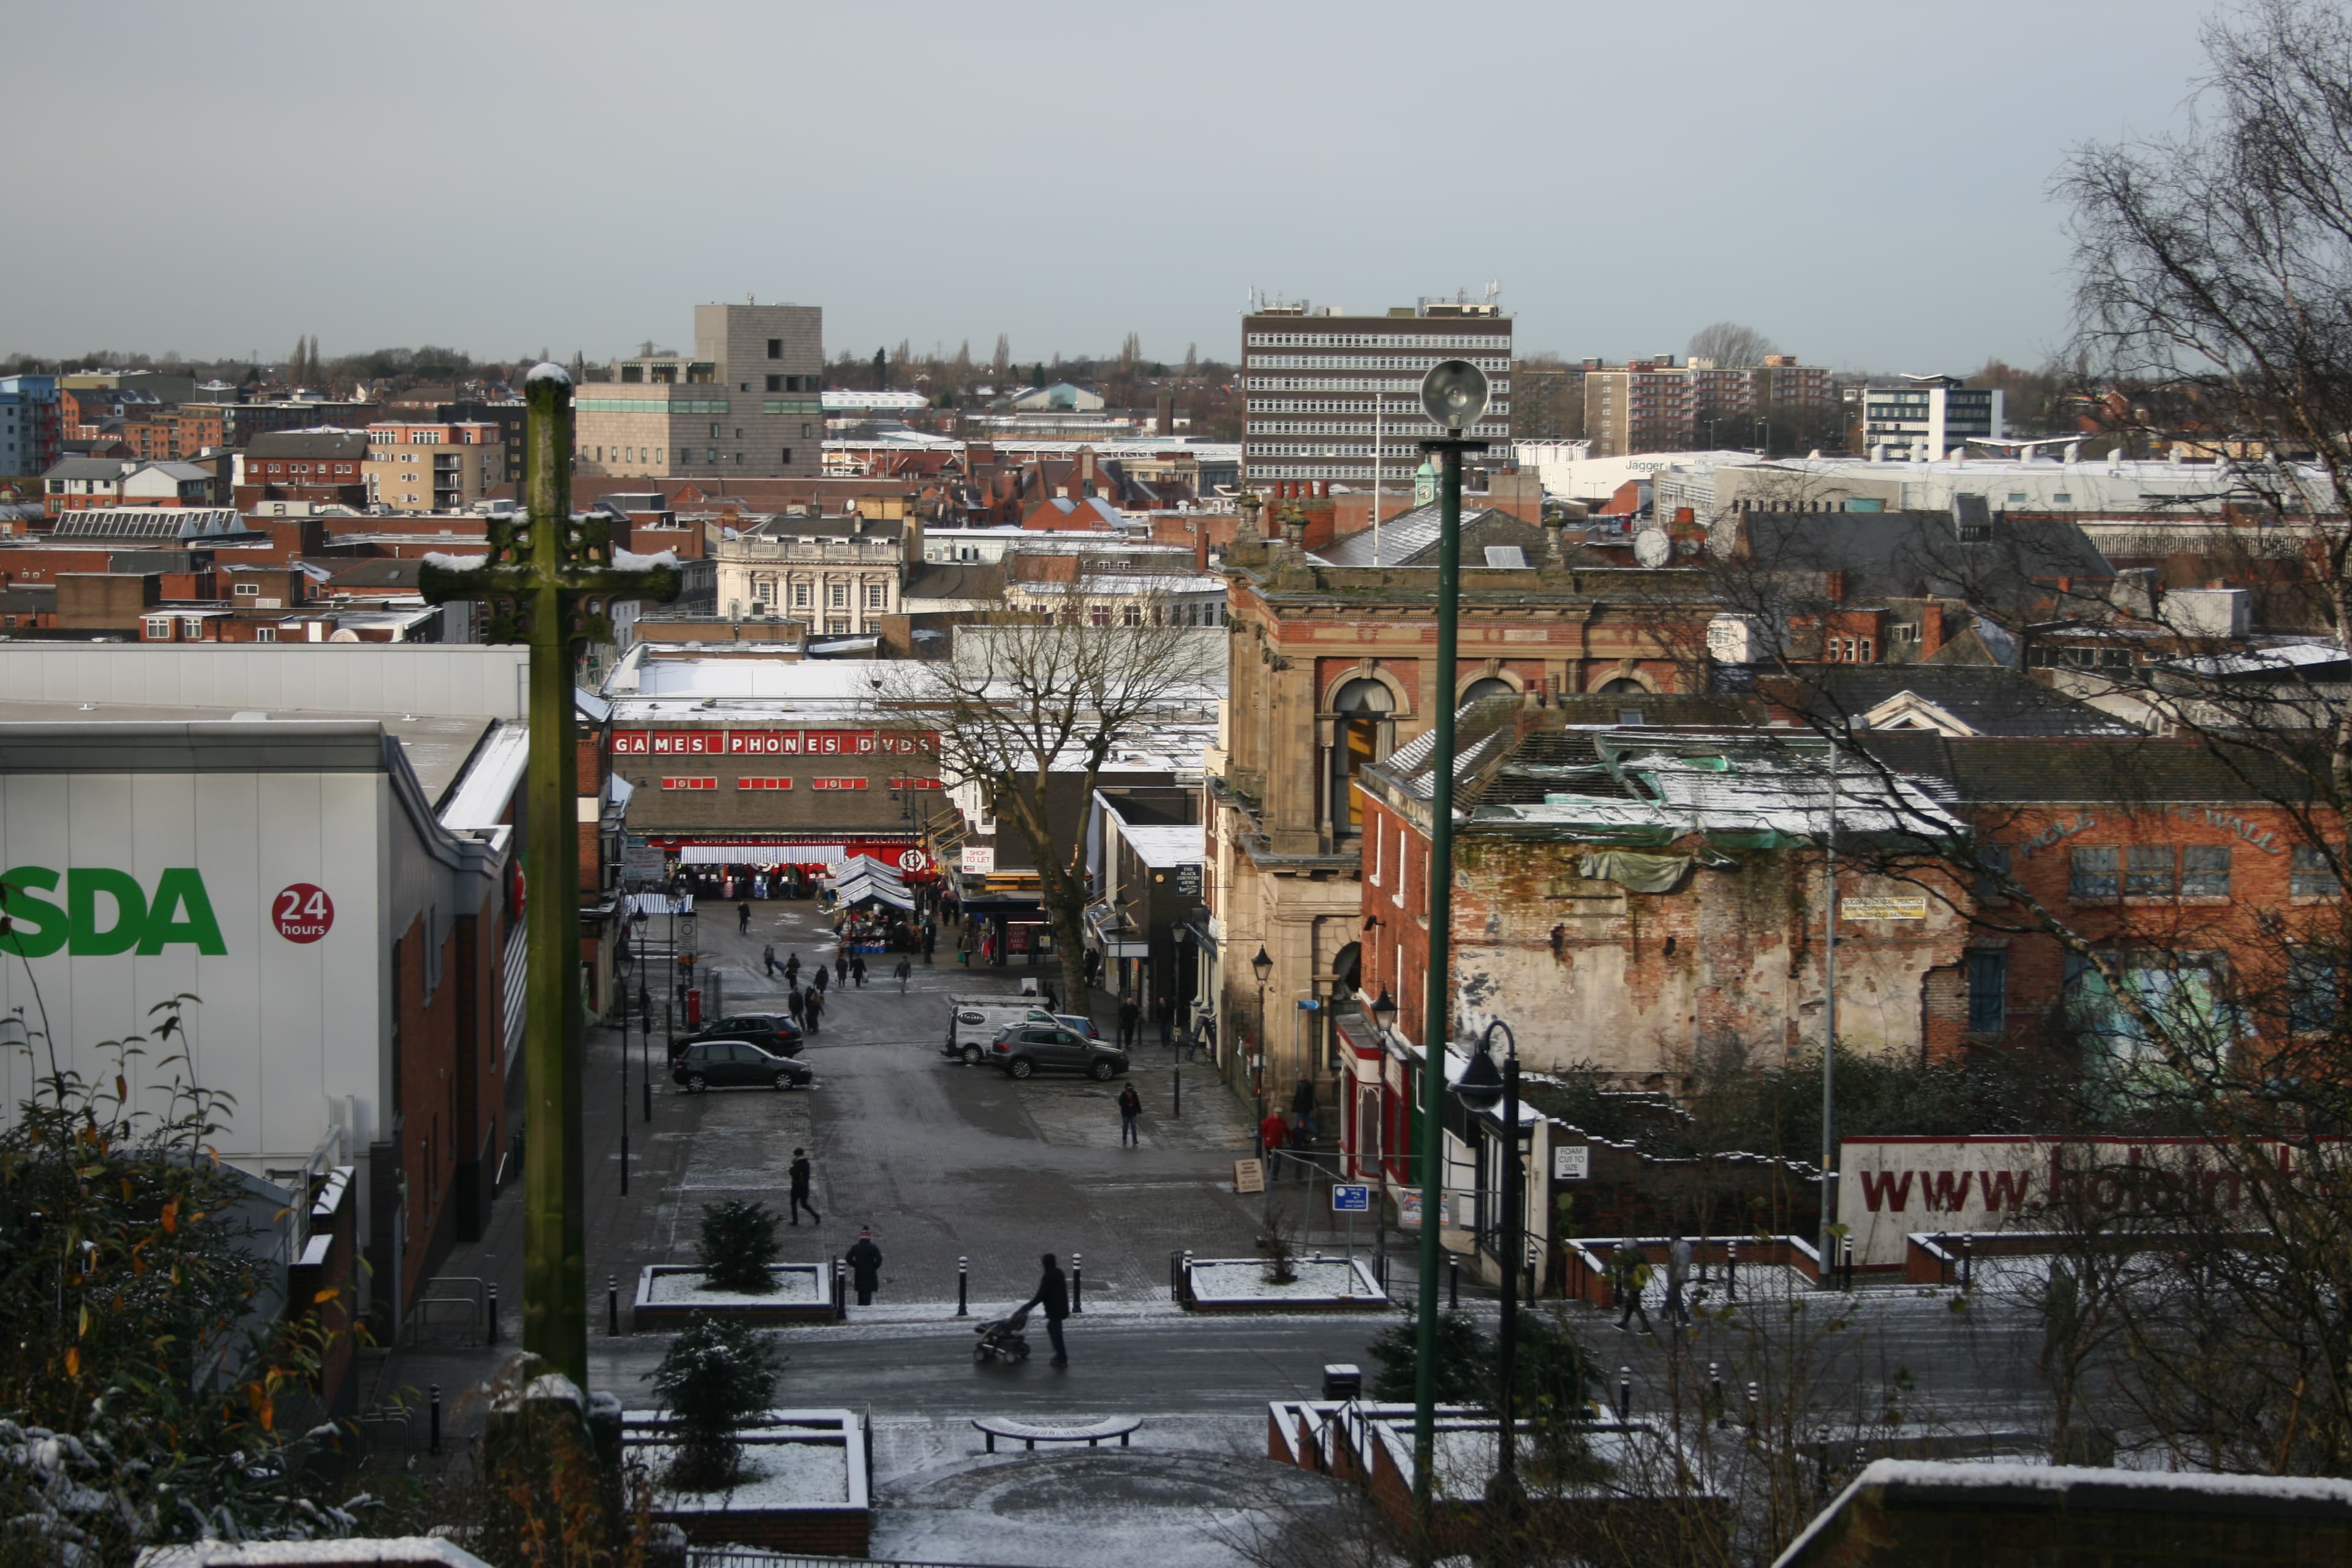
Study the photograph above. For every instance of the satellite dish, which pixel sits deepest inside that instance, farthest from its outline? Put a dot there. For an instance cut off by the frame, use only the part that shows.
(1652, 548)
(1454, 394)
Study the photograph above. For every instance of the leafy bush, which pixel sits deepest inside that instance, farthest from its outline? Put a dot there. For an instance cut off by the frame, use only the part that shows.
(1465, 1359)
(149, 1395)
(737, 1246)
(716, 1375)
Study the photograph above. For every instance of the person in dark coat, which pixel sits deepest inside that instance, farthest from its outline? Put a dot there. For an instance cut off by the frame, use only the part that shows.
(767, 959)
(1130, 1105)
(857, 971)
(1165, 1011)
(1302, 1106)
(743, 918)
(823, 978)
(841, 966)
(792, 1004)
(903, 972)
(801, 1189)
(1128, 1014)
(792, 969)
(1094, 967)
(1053, 1297)
(813, 1004)
(866, 1267)
(1046, 994)
(930, 939)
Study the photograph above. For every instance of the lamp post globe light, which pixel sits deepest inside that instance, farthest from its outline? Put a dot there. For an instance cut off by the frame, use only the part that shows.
(1263, 967)
(1453, 393)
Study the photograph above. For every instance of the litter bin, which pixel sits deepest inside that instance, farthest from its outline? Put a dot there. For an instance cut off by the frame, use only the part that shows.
(1343, 1380)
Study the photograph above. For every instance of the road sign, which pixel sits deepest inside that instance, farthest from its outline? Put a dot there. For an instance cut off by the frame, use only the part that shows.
(1351, 1197)
(1249, 1176)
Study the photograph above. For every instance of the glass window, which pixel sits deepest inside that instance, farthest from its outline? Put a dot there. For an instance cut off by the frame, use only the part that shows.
(2094, 873)
(2147, 871)
(2205, 870)
(2313, 992)
(1994, 859)
(2310, 876)
(1988, 991)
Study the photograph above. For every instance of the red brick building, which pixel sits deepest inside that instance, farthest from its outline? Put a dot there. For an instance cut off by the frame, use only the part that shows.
(321, 466)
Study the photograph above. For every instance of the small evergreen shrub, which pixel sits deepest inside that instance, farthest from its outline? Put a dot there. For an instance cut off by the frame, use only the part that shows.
(718, 1374)
(737, 1246)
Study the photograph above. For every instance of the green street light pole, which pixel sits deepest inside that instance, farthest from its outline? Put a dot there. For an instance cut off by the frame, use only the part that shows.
(549, 581)
(1454, 395)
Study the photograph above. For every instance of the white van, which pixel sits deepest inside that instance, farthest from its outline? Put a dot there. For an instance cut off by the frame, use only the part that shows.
(974, 1021)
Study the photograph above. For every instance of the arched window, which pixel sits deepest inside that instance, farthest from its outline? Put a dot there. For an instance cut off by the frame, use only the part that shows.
(1488, 685)
(1623, 686)
(1363, 706)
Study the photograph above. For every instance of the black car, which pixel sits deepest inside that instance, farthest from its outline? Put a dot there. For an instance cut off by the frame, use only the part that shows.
(1033, 1048)
(771, 1032)
(722, 1064)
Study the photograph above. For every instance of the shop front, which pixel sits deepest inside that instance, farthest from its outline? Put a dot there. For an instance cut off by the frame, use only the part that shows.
(743, 867)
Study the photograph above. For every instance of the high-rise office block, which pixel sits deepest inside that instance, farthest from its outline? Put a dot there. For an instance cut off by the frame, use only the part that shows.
(1317, 383)
(748, 403)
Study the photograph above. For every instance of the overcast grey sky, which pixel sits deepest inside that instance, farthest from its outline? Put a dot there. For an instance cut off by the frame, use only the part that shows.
(1867, 184)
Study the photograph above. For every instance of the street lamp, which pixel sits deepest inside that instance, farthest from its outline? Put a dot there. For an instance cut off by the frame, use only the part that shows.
(1384, 1011)
(1263, 967)
(1480, 1089)
(1453, 393)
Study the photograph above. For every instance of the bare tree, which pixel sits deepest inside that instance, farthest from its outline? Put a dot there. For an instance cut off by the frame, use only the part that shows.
(1731, 345)
(1030, 711)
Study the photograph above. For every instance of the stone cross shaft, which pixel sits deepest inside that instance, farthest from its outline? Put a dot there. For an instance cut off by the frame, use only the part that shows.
(549, 581)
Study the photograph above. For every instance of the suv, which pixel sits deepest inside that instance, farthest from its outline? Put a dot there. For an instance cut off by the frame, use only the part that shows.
(1034, 1046)
(718, 1064)
(771, 1032)
(974, 1021)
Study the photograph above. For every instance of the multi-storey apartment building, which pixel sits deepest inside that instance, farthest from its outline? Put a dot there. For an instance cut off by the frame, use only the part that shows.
(747, 403)
(30, 428)
(1319, 384)
(1928, 417)
(431, 467)
(1641, 406)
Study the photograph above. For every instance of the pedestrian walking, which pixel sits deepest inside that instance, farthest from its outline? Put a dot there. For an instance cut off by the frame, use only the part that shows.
(1046, 995)
(905, 972)
(930, 939)
(857, 970)
(768, 960)
(1053, 1296)
(1128, 1014)
(841, 965)
(1130, 1105)
(801, 1189)
(813, 1004)
(1165, 1011)
(1272, 1133)
(793, 1005)
(792, 969)
(743, 919)
(866, 1265)
(1678, 1262)
(1094, 968)
(1302, 1108)
(1630, 1274)
(823, 978)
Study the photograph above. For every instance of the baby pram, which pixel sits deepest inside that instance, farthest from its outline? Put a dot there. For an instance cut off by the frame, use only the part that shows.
(1002, 1340)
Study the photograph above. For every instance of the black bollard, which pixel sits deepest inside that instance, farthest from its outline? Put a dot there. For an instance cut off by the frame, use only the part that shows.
(1968, 1262)
(963, 1286)
(1624, 1392)
(1715, 1394)
(612, 1305)
(1849, 1263)
(1755, 1406)
(491, 1328)
(1176, 1091)
(436, 1427)
(1077, 1283)
(1731, 1271)
(1822, 1457)
(1453, 1280)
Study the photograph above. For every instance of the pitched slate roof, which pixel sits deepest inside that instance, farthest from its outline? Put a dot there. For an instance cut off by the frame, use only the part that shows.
(1987, 699)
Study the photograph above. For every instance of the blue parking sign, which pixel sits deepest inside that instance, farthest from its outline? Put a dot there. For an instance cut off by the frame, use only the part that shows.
(1351, 1197)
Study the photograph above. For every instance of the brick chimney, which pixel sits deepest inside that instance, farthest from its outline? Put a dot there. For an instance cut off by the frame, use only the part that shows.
(1931, 629)
(1833, 585)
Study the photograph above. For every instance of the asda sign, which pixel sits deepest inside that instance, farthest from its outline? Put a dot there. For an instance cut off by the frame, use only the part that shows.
(95, 911)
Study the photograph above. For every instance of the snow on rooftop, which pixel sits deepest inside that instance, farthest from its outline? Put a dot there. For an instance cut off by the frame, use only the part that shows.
(1164, 845)
(488, 786)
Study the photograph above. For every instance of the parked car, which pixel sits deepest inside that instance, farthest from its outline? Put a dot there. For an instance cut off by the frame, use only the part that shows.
(1081, 1023)
(974, 1021)
(724, 1064)
(1033, 1046)
(771, 1032)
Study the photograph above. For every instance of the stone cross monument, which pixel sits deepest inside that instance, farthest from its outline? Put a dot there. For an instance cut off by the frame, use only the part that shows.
(549, 581)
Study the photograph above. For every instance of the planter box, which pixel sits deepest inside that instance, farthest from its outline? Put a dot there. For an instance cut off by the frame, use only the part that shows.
(806, 1490)
(1238, 1285)
(669, 1293)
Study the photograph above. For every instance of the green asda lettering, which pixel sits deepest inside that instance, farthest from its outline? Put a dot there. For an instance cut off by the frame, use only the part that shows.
(104, 912)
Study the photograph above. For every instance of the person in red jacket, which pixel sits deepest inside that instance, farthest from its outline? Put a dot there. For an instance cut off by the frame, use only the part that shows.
(1272, 1133)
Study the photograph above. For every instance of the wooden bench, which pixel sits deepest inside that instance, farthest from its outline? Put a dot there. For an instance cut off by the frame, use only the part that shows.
(1030, 1434)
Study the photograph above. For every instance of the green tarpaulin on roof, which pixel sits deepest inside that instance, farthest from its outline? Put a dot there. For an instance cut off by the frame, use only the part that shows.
(1641, 873)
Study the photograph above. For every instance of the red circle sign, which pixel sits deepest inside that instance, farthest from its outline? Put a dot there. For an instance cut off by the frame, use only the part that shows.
(303, 912)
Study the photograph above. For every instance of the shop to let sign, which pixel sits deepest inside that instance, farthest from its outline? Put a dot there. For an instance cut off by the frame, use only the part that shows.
(1911, 908)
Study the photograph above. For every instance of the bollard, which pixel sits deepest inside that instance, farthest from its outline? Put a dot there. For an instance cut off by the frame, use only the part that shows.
(840, 1290)
(490, 1333)
(1077, 1283)
(1731, 1271)
(1968, 1262)
(1624, 1392)
(1176, 1091)
(436, 1427)
(963, 1286)
(1453, 1280)
(1755, 1406)
(1849, 1263)
(1715, 1394)
(612, 1305)
(1822, 1457)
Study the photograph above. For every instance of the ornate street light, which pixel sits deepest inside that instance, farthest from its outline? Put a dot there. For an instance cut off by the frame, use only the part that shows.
(1483, 1087)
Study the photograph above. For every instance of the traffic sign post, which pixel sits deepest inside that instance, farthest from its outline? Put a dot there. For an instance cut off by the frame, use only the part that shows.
(1351, 1198)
